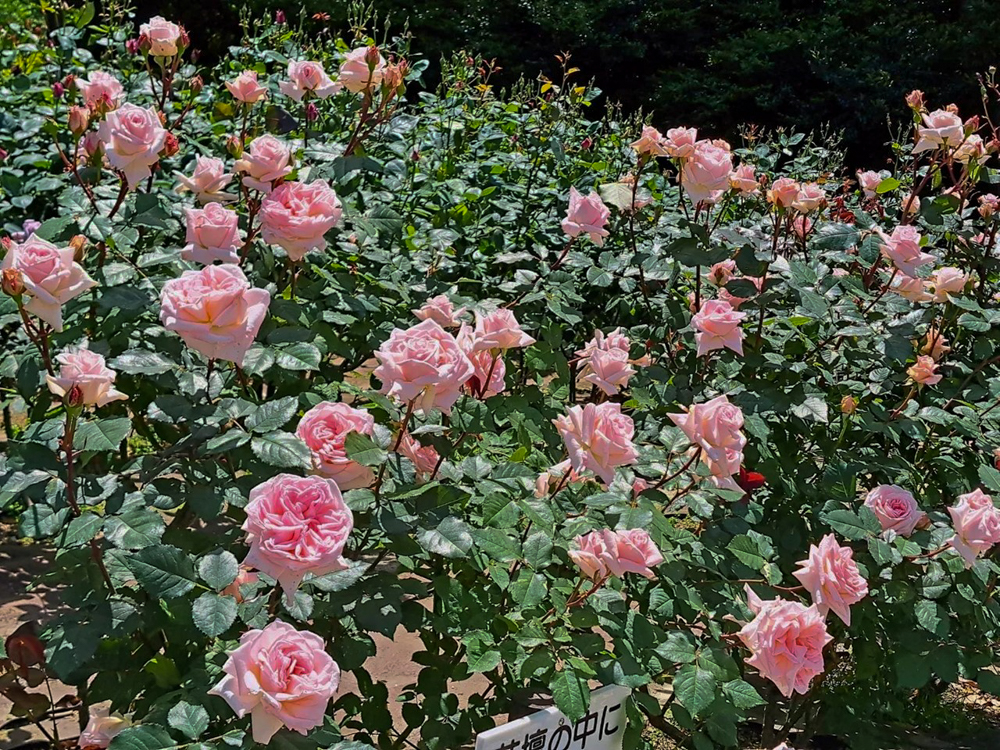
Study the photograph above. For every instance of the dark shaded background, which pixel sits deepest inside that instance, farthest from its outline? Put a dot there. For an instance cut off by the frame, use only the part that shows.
(845, 64)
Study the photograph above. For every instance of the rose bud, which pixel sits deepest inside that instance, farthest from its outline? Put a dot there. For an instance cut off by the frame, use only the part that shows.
(972, 124)
(312, 112)
(372, 57)
(234, 146)
(24, 648)
(3, 155)
(144, 44)
(132, 46)
(12, 282)
(196, 84)
(183, 41)
(415, 155)
(79, 245)
(586, 143)
(170, 146)
(79, 119)
(952, 108)
(58, 90)
(279, 17)
(915, 100)
(848, 404)
(74, 396)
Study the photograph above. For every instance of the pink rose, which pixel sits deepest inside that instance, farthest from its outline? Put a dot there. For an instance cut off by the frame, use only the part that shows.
(650, 143)
(586, 216)
(802, 226)
(786, 641)
(164, 37)
(599, 438)
(902, 248)
(744, 179)
(488, 367)
(356, 75)
(101, 91)
(423, 457)
(245, 88)
(947, 281)
(989, 205)
(215, 311)
(87, 371)
(911, 206)
(307, 77)
(499, 330)
(264, 163)
(607, 552)
(296, 525)
(811, 197)
(977, 526)
(680, 142)
(297, 215)
(718, 326)
(783, 192)
(910, 288)
(603, 342)
(423, 364)
(722, 273)
(281, 677)
(441, 311)
(243, 578)
(208, 181)
(592, 551)
(924, 372)
(935, 345)
(705, 175)
(832, 577)
(609, 370)
(712, 425)
(50, 276)
(941, 128)
(212, 235)
(895, 509)
(101, 728)
(869, 182)
(133, 138)
(324, 430)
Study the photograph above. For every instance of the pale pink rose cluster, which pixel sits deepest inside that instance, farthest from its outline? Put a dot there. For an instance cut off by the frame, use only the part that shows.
(212, 235)
(296, 216)
(50, 276)
(811, 197)
(133, 138)
(324, 430)
(895, 508)
(441, 310)
(977, 526)
(86, 371)
(165, 38)
(494, 333)
(605, 362)
(605, 553)
(783, 192)
(650, 143)
(832, 577)
(717, 326)
(940, 286)
(744, 180)
(935, 344)
(208, 182)
(423, 457)
(716, 428)
(598, 438)
(586, 215)
(869, 182)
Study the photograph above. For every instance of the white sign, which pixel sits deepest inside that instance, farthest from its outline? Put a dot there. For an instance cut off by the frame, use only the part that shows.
(601, 728)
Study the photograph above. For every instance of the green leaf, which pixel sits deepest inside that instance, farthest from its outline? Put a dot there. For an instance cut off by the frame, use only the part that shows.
(189, 719)
(742, 694)
(452, 538)
(218, 569)
(747, 552)
(272, 415)
(932, 616)
(599, 277)
(887, 185)
(813, 408)
(362, 449)
(82, 529)
(570, 693)
(101, 435)
(213, 614)
(299, 356)
(679, 647)
(143, 737)
(849, 524)
(140, 362)
(990, 477)
(694, 688)
(282, 449)
(134, 529)
(164, 571)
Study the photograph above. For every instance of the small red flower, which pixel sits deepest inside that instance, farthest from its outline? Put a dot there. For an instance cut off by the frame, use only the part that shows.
(750, 480)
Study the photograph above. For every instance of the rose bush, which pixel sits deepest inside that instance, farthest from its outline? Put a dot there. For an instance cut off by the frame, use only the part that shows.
(295, 358)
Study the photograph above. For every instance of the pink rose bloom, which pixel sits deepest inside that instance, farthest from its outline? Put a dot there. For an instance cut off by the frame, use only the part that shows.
(705, 175)
(441, 311)
(355, 73)
(307, 77)
(245, 87)
(895, 509)
(910, 288)
(811, 197)
(650, 143)
(499, 330)
(586, 216)
(264, 163)
(783, 192)
(945, 281)
(609, 370)
(423, 457)
(245, 576)
(212, 235)
(87, 371)
(718, 326)
(935, 344)
(924, 372)
(869, 182)
(297, 215)
(712, 425)
(723, 464)
(722, 273)
(487, 366)
(90, 144)
(101, 728)
(101, 91)
(324, 430)
(215, 311)
(902, 248)
(603, 342)
(296, 525)
(599, 438)
(282, 677)
(941, 128)
(989, 205)
(972, 150)
(133, 138)
(680, 142)
(802, 226)
(786, 641)
(977, 526)
(50, 275)
(164, 37)
(607, 552)
(592, 553)
(208, 181)
(832, 577)
(423, 364)
(744, 179)
(911, 205)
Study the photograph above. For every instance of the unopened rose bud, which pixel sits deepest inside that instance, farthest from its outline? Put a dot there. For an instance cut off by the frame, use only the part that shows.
(144, 44)
(170, 146)
(196, 84)
(972, 124)
(79, 119)
(586, 143)
(12, 282)
(848, 405)
(993, 146)
(74, 396)
(915, 100)
(312, 112)
(279, 17)
(3, 155)
(372, 57)
(58, 90)
(234, 146)
(24, 648)
(415, 155)
(132, 46)
(69, 81)
(7, 243)
(183, 41)
(79, 245)
(91, 144)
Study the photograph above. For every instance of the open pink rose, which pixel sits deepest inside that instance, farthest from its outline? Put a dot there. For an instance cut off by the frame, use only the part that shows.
(603, 553)
(87, 371)
(488, 367)
(297, 215)
(705, 175)
(717, 423)
(744, 179)
(603, 342)
(832, 577)
(940, 128)
(947, 281)
(924, 371)
(592, 551)
(902, 248)
(215, 311)
(786, 641)
(212, 235)
(441, 311)
(680, 142)
(307, 77)
(910, 288)
(499, 330)
(424, 364)
(133, 138)
(50, 276)
(282, 677)
(650, 143)
(101, 92)
(895, 508)
(102, 727)
(586, 216)
(811, 197)
(208, 181)
(324, 430)
(356, 75)
(977, 526)
(935, 344)
(599, 438)
(783, 192)
(718, 326)
(164, 37)
(423, 457)
(246, 89)
(244, 577)
(296, 525)
(973, 149)
(869, 182)
(609, 370)
(264, 163)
